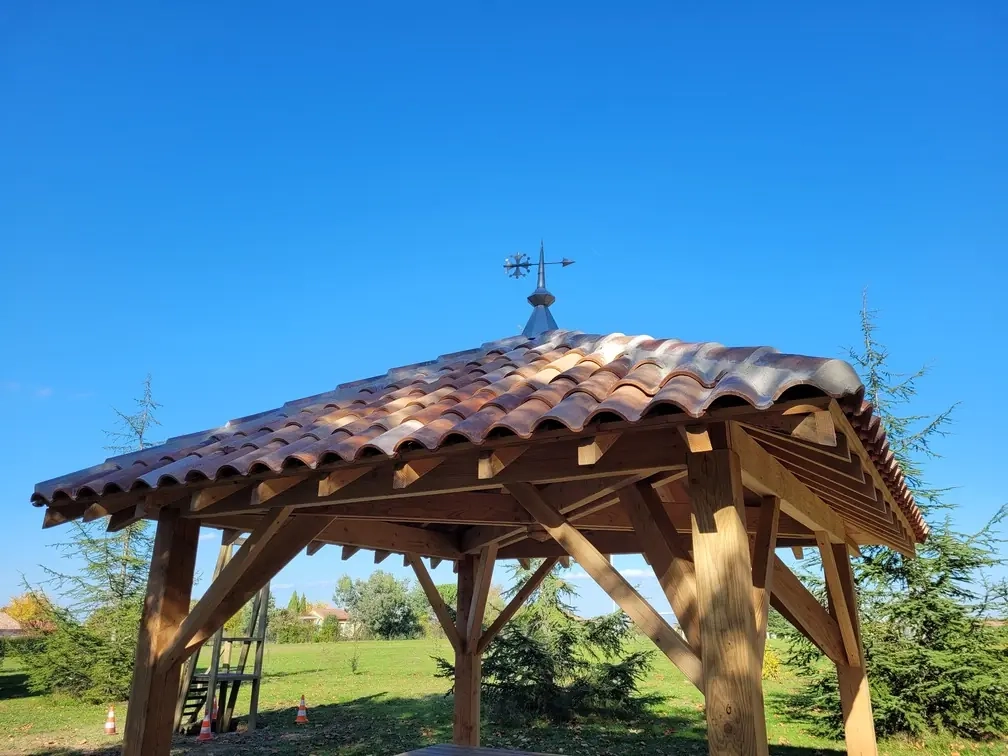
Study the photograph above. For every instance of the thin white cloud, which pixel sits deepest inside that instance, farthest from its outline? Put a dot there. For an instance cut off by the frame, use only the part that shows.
(43, 392)
(208, 536)
(10, 386)
(281, 586)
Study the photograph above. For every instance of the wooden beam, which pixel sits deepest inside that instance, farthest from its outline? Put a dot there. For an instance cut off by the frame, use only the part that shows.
(340, 478)
(387, 536)
(764, 544)
(348, 551)
(314, 547)
(857, 447)
(268, 489)
(614, 584)
(855, 695)
(468, 664)
(697, 438)
(481, 591)
(791, 598)
(815, 427)
(762, 473)
(406, 474)
(62, 513)
(148, 729)
(591, 450)
(491, 463)
(641, 452)
(840, 609)
(147, 507)
(667, 555)
(380, 556)
(798, 551)
(274, 542)
(434, 562)
(475, 539)
(731, 668)
(206, 497)
(517, 601)
(436, 601)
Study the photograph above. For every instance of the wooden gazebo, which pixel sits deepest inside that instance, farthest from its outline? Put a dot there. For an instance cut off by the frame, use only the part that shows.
(705, 459)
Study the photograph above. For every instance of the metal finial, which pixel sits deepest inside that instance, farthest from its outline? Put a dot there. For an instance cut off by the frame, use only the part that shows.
(519, 265)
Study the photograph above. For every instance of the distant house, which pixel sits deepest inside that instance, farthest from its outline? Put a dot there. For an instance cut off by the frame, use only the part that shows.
(10, 627)
(317, 615)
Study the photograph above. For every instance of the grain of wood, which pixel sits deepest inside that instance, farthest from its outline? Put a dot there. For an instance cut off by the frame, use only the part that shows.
(169, 587)
(731, 668)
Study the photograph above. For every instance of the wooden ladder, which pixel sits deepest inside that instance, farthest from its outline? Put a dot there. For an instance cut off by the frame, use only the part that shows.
(224, 673)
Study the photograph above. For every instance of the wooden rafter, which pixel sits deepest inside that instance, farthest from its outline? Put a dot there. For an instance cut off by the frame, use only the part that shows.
(762, 473)
(643, 452)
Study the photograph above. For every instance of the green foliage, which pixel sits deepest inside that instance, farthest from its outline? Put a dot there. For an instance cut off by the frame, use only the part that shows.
(547, 663)
(88, 647)
(933, 663)
(328, 631)
(383, 605)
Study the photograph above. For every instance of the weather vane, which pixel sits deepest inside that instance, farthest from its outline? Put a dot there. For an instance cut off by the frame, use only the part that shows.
(519, 265)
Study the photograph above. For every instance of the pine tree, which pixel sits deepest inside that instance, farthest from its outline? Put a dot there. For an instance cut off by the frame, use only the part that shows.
(933, 663)
(547, 662)
(91, 651)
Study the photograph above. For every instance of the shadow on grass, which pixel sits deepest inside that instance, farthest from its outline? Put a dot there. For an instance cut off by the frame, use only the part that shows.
(14, 685)
(383, 725)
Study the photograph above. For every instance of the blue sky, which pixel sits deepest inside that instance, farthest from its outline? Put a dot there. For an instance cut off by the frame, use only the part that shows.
(255, 202)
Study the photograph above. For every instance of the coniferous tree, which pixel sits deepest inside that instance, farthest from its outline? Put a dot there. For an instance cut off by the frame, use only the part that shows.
(547, 662)
(91, 650)
(934, 664)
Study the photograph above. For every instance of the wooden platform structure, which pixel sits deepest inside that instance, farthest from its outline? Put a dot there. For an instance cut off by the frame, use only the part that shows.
(703, 458)
(200, 692)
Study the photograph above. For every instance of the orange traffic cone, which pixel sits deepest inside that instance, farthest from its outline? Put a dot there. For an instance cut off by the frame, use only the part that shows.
(205, 734)
(110, 722)
(302, 715)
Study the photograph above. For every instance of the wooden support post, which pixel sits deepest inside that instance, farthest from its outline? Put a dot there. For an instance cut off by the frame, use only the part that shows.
(468, 667)
(855, 696)
(169, 587)
(763, 563)
(731, 667)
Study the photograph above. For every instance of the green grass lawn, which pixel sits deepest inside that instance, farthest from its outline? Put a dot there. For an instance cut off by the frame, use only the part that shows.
(394, 703)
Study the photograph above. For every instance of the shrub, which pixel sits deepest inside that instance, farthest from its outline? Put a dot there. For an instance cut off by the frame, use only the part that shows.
(772, 666)
(547, 663)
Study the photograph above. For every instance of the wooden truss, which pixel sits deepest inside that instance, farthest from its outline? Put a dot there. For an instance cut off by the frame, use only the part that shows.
(707, 505)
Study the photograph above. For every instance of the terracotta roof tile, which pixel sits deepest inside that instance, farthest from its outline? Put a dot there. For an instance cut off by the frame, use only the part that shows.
(513, 386)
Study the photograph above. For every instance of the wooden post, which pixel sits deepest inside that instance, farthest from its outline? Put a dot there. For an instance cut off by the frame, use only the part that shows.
(468, 666)
(855, 697)
(169, 588)
(731, 667)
